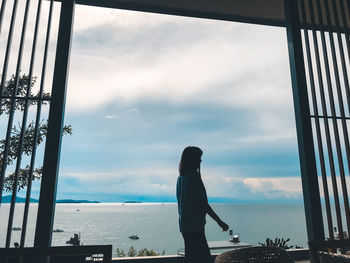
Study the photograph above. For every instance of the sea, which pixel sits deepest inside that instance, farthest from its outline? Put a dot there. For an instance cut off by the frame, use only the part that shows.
(156, 224)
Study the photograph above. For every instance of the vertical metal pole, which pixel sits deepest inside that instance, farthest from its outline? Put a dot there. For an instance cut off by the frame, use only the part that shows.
(37, 123)
(333, 113)
(344, 125)
(325, 114)
(30, 176)
(7, 54)
(342, 113)
(312, 202)
(2, 11)
(345, 24)
(339, 32)
(2, 88)
(10, 122)
(47, 200)
(314, 102)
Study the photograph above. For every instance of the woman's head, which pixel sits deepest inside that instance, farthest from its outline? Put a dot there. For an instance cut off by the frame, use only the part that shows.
(190, 159)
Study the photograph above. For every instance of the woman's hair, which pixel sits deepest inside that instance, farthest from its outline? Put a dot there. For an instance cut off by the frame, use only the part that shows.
(189, 158)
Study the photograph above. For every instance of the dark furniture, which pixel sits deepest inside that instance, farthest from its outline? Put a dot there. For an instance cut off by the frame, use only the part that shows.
(324, 251)
(327, 257)
(64, 254)
(258, 254)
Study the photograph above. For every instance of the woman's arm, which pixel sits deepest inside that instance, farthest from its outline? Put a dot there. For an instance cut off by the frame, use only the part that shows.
(214, 216)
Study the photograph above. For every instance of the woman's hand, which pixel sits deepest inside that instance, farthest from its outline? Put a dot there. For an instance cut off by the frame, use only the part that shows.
(223, 225)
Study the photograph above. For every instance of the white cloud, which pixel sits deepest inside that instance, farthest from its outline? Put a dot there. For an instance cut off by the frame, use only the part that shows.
(220, 182)
(138, 182)
(275, 187)
(123, 114)
(128, 20)
(111, 117)
(233, 64)
(130, 57)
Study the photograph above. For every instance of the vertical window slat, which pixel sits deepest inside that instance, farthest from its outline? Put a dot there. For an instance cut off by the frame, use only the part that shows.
(324, 111)
(342, 113)
(333, 113)
(24, 124)
(10, 124)
(2, 12)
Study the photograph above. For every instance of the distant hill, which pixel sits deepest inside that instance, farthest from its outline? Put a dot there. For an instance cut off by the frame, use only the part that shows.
(132, 202)
(7, 199)
(71, 201)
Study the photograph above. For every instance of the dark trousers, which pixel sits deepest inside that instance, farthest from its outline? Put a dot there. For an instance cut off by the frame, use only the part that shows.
(196, 247)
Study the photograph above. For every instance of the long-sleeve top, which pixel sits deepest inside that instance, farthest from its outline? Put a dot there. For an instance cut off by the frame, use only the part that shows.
(191, 198)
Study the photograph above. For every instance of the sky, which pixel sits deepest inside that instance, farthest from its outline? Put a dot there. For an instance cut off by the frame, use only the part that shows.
(143, 86)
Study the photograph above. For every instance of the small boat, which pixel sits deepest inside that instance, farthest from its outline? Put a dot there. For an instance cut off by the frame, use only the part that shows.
(57, 230)
(16, 228)
(134, 237)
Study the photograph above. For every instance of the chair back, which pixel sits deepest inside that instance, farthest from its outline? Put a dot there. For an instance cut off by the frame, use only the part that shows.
(258, 254)
(327, 257)
(317, 249)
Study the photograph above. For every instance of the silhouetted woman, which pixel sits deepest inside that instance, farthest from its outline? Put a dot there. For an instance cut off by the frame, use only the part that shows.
(193, 206)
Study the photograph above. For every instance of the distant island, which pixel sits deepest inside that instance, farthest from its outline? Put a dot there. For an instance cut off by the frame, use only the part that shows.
(7, 199)
(131, 202)
(72, 201)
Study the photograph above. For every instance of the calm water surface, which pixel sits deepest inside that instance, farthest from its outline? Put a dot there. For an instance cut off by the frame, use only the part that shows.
(157, 225)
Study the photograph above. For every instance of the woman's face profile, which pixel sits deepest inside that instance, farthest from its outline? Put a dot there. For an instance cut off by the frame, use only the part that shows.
(198, 161)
